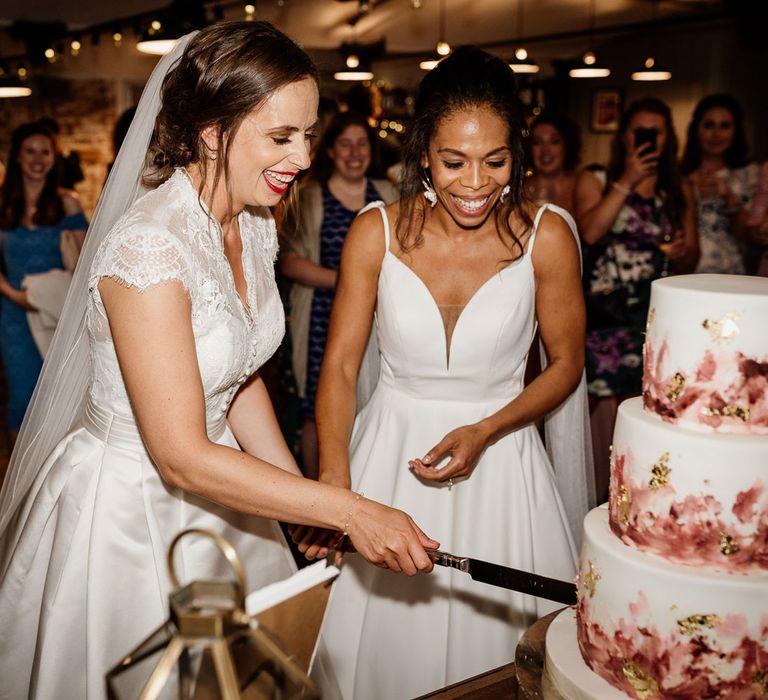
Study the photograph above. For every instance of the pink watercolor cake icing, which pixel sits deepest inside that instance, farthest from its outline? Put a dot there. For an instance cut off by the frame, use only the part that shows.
(673, 574)
(706, 353)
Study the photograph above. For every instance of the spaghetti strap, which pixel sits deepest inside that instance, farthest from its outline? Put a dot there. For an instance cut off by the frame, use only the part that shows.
(536, 220)
(380, 206)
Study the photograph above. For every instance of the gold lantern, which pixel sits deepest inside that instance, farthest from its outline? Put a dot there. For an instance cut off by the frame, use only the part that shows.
(209, 648)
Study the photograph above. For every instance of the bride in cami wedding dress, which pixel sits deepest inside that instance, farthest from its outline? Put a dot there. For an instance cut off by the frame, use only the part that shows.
(455, 316)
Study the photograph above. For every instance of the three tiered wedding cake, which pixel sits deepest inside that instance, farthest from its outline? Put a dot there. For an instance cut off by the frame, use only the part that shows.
(673, 574)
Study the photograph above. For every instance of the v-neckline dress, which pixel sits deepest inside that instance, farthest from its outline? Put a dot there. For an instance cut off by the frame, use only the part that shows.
(390, 636)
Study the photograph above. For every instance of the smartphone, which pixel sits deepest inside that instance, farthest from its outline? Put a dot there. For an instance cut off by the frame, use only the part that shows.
(646, 137)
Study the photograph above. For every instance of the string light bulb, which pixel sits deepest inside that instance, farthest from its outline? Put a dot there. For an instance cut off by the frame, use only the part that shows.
(250, 12)
(74, 47)
(443, 48)
(353, 61)
(117, 38)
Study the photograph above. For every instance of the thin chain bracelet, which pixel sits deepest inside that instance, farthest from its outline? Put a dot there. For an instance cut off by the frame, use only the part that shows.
(350, 513)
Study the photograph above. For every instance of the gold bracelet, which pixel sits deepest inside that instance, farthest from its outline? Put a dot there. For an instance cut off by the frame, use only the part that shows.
(626, 191)
(350, 513)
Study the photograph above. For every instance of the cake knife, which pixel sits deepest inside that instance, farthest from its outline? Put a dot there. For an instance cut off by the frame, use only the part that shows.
(506, 577)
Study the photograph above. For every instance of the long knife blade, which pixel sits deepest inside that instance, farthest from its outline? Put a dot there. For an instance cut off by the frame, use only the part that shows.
(509, 578)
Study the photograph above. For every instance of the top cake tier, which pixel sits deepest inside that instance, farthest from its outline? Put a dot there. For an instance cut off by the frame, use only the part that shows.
(706, 352)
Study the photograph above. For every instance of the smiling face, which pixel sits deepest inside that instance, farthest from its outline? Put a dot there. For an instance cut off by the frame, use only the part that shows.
(271, 146)
(470, 162)
(36, 157)
(351, 153)
(547, 149)
(716, 131)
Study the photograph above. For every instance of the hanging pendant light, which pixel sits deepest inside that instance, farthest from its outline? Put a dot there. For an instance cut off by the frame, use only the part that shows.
(442, 47)
(522, 62)
(589, 67)
(651, 70)
(13, 85)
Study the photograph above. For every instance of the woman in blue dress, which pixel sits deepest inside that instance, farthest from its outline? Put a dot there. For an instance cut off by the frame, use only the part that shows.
(34, 211)
(341, 184)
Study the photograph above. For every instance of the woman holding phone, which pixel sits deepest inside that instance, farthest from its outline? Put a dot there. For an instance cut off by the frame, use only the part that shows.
(637, 223)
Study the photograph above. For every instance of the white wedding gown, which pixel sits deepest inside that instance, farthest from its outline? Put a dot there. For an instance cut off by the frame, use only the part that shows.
(85, 579)
(390, 637)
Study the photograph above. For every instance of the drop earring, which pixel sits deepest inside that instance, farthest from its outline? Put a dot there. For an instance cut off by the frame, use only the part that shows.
(429, 193)
(213, 155)
(504, 192)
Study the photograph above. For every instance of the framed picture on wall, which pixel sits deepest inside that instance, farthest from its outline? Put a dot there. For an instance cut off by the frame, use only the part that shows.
(606, 110)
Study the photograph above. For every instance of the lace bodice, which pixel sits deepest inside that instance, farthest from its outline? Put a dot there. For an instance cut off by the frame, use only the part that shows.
(168, 235)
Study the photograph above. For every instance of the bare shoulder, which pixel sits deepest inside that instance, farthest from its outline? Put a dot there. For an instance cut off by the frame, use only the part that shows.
(70, 201)
(555, 242)
(366, 235)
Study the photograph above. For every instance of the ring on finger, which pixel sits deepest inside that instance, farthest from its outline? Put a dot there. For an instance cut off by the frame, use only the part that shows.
(450, 484)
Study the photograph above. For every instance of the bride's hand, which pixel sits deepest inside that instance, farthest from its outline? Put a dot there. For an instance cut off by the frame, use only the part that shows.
(389, 538)
(314, 542)
(465, 445)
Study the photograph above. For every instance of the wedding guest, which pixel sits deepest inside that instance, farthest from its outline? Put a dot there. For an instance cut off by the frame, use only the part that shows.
(637, 223)
(458, 272)
(150, 416)
(34, 210)
(723, 181)
(554, 154)
(340, 185)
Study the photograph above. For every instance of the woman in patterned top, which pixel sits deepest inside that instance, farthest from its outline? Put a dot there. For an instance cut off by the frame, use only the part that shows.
(723, 182)
(637, 224)
(340, 186)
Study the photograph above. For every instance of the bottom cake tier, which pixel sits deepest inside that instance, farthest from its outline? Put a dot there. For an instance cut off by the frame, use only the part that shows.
(655, 629)
(566, 675)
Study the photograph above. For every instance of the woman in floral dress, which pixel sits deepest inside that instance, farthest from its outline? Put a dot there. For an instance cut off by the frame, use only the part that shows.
(637, 224)
(723, 182)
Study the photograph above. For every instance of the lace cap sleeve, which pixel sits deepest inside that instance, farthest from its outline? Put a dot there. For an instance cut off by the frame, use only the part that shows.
(142, 256)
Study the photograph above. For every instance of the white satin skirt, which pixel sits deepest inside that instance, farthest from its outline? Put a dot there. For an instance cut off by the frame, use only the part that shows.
(85, 579)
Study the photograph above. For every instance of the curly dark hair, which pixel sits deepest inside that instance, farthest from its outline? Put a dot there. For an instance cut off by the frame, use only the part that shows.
(568, 130)
(49, 209)
(669, 184)
(736, 155)
(322, 167)
(226, 71)
(469, 77)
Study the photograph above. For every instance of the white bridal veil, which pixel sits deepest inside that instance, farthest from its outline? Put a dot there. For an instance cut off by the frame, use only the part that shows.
(60, 393)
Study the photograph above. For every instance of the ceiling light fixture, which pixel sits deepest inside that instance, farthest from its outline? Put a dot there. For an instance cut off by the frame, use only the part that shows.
(522, 63)
(589, 67)
(652, 71)
(11, 86)
(442, 47)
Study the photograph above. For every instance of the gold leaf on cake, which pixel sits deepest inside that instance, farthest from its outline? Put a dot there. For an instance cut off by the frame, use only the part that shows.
(651, 316)
(642, 683)
(625, 502)
(590, 579)
(676, 386)
(724, 329)
(693, 623)
(760, 680)
(740, 412)
(660, 472)
(728, 545)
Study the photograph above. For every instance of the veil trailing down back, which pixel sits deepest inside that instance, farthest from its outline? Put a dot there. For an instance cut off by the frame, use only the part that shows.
(59, 397)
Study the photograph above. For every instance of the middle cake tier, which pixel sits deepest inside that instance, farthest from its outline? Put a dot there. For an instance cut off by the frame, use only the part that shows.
(694, 498)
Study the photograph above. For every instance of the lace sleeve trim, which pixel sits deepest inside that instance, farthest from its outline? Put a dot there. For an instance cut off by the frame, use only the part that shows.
(143, 258)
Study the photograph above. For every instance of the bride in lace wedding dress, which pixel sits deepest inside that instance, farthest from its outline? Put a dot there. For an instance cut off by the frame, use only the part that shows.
(150, 416)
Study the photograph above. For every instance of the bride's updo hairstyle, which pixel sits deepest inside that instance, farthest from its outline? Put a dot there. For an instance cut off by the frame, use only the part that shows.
(467, 79)
(227, 70)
